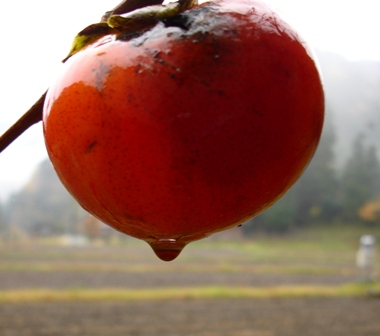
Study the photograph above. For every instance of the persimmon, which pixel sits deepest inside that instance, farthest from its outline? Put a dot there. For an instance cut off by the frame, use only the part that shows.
(178, 124)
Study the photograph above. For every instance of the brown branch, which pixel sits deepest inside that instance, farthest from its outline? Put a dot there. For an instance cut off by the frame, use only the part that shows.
(31, 117)
(127, 6)
(34, 114)
(130, 5)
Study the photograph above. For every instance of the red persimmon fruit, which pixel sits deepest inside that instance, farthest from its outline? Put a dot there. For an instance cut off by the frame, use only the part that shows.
(175, 130)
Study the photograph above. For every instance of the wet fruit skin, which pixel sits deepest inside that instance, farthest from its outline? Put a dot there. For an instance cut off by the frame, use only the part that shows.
(188, 128)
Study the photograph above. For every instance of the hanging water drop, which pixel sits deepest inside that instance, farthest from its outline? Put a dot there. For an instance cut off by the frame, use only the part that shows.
(167, 249)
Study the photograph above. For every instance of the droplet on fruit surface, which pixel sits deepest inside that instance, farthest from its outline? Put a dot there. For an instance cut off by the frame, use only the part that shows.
(167, 249)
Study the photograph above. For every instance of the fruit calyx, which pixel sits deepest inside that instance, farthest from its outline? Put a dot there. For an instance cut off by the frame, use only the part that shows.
(140, 10)
(128, 24)
(128, 6)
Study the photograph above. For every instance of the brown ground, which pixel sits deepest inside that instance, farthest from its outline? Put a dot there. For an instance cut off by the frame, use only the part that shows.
(176, 317)
(214, 317)
(59, 280)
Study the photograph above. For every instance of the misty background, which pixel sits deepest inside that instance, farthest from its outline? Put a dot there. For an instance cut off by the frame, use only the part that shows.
(341, 185)
(297, 269)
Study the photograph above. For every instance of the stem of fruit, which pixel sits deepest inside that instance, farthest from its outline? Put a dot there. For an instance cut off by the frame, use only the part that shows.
(31, 117)
(130, 5)
(127, 6)
(34, 114)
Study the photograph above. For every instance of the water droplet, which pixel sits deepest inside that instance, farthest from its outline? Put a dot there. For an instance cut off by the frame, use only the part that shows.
(167, 249)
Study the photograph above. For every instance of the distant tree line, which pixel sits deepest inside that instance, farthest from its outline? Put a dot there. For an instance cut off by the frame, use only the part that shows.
(43, 207)
(326, 193)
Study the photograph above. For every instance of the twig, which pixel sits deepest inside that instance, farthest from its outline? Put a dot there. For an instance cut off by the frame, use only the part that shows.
(34, 114)
(31, 117)
(127, 6)
(130, 5)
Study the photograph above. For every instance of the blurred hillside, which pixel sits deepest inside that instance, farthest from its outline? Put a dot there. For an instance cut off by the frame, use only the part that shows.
(353, 101)
(43, 206)
(342, 184)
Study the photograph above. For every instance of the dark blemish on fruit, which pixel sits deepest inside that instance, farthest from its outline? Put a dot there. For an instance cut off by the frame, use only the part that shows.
(188, 19)
(130, 35)
(156, 55)
(179, 21)
(257, 112)
(91, 146)
(128, 216)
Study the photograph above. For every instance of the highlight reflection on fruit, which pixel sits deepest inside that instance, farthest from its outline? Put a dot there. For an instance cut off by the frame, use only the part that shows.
(189, 124)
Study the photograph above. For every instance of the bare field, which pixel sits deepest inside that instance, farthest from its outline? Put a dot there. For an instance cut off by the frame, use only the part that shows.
(216, 317)
(267, 267)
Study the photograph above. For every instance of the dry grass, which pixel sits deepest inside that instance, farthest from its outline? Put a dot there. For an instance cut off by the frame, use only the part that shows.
(212, 292)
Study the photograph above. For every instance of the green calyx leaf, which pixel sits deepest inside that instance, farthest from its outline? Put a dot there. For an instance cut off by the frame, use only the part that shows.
(88, 36)
(137, 20)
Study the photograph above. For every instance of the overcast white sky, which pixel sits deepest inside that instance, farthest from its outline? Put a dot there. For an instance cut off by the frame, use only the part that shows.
(37, 34)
